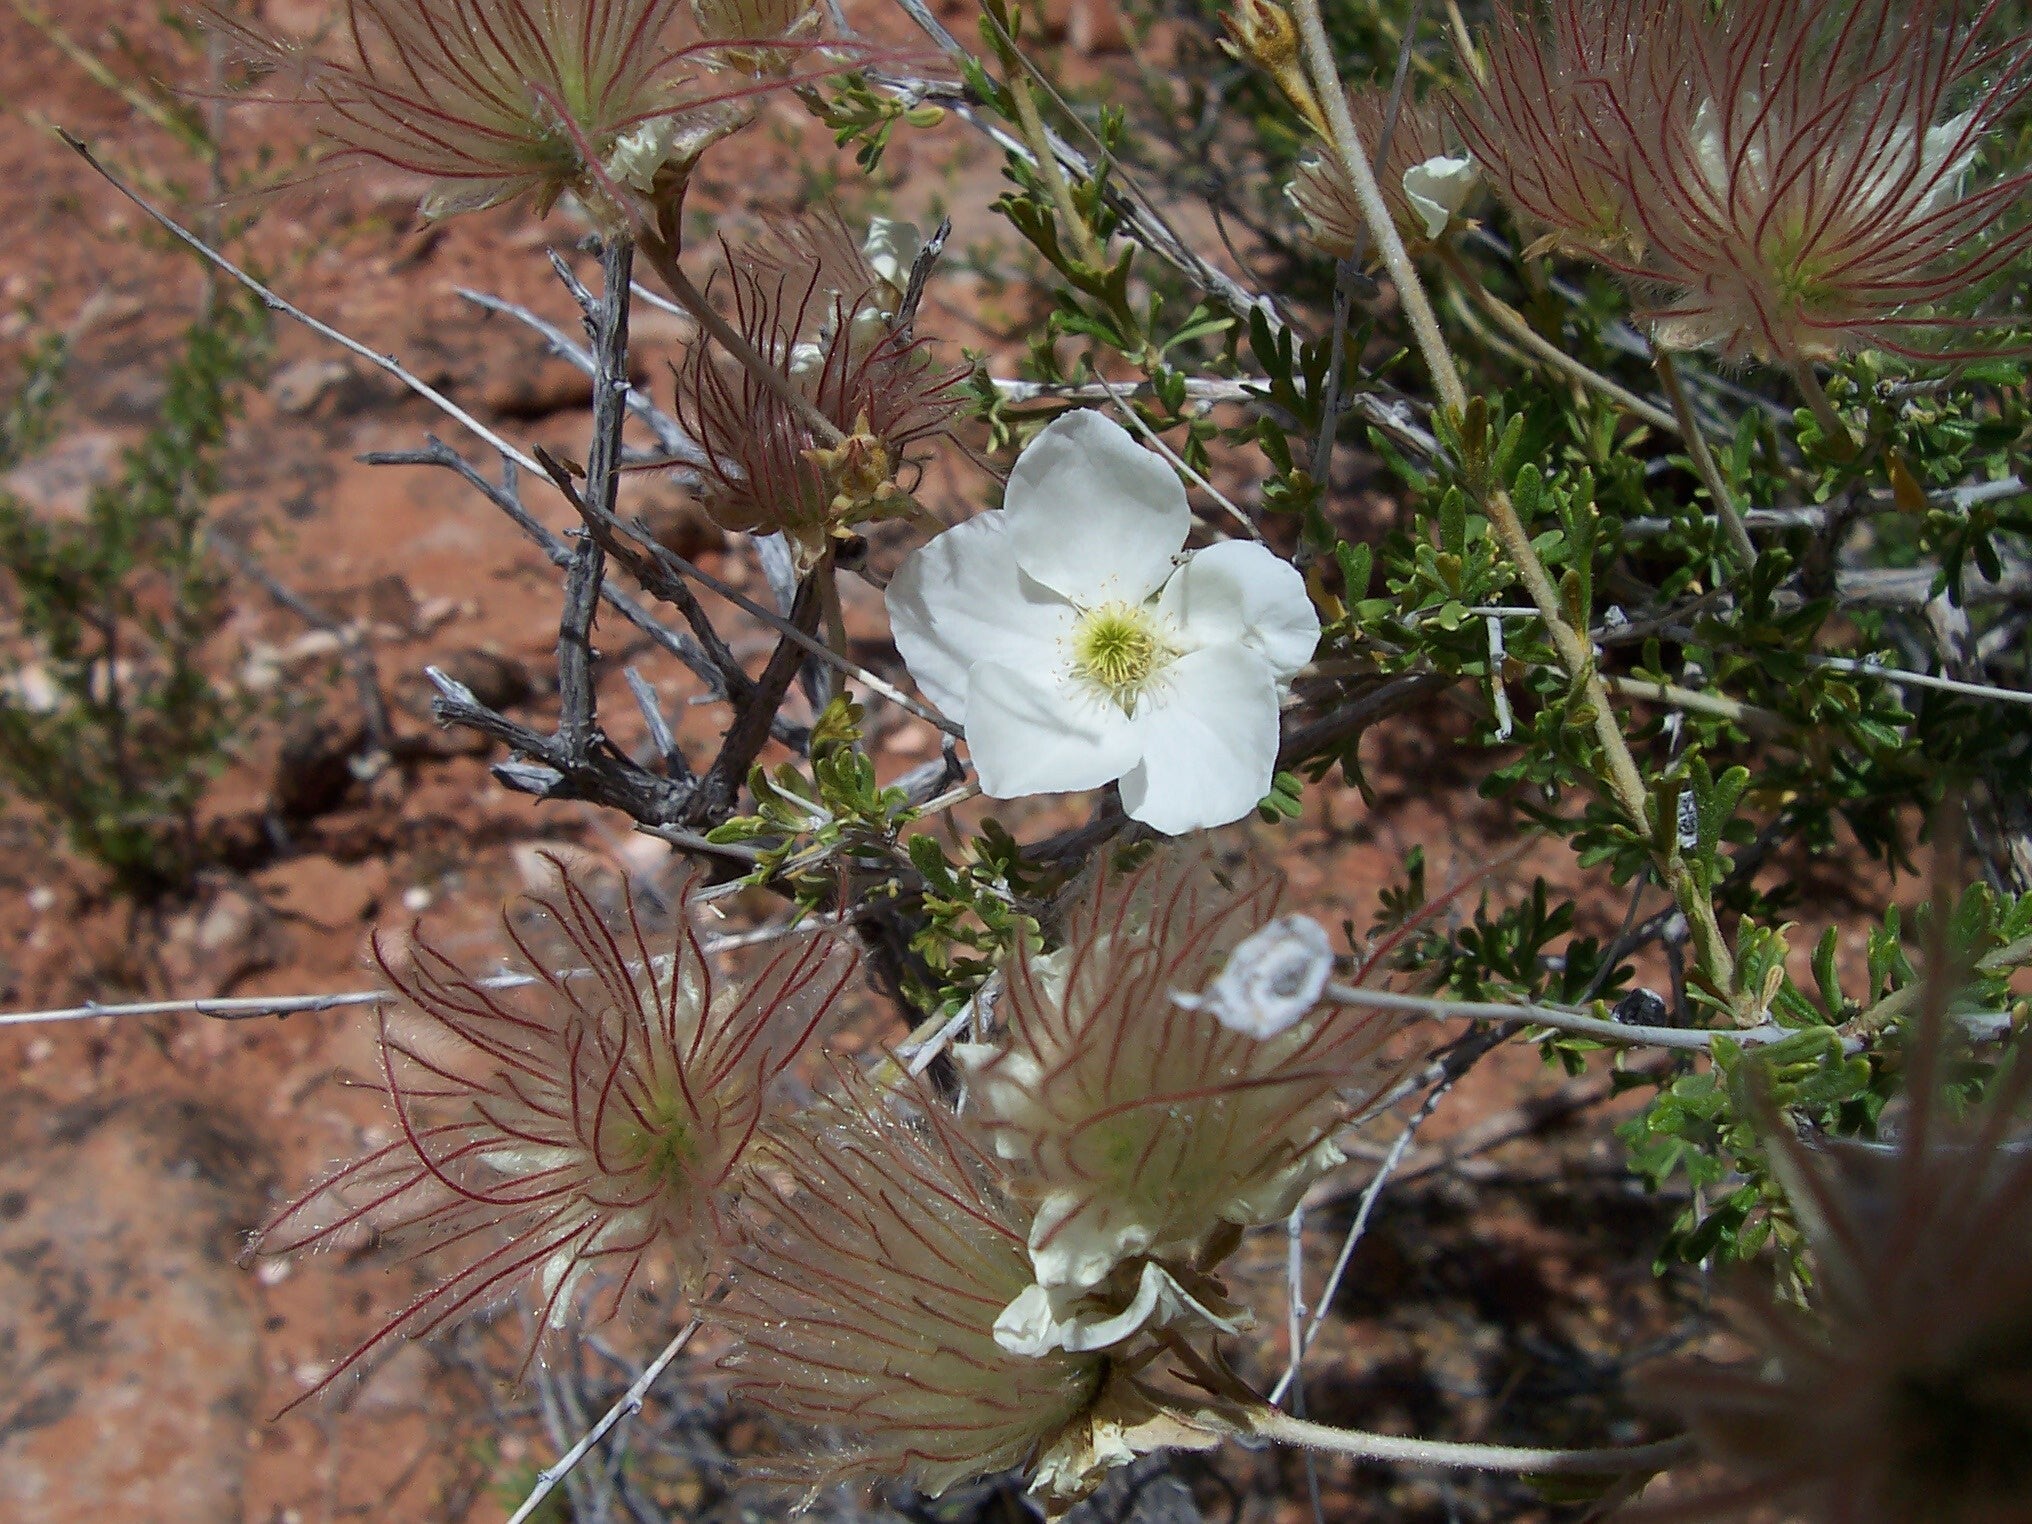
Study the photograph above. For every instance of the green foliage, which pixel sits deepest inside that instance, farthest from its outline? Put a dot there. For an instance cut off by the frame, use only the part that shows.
(866, 119)
(112, 612)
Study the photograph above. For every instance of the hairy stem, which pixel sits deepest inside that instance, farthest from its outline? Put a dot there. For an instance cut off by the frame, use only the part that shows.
(1048, 168)
(1282, 1428)
(1703, 458)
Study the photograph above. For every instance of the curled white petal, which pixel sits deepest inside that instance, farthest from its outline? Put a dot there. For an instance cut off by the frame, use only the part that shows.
(1038, 1321)
(641, 152)
(1272, 979)
(891, 248)
(1073, 1249)
(1438, 188)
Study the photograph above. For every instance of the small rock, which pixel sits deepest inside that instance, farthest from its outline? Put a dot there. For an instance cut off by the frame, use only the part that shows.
(326, 893)
(228, 923)
(673, 517)
(433, 612)
(31, 688)
(531, 390)
(58, 483)
(417, 899)
(310, 646)
(300, 387)
(644, 856)
(540, 864)
(314, 769)
(42, 899)
(496, 681)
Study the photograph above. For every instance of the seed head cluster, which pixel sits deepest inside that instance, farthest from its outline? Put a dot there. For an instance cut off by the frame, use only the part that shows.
(1141, 1127)
(868, 1303)
(812, 301)
(1781, 180)
(492, 100)
(595, 1120)
(1903, 1390)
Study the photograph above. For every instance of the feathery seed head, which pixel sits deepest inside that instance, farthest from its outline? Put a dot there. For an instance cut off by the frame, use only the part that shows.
(495, 99)
(1425, 176)
(739, 27)
(1814, 192)
(1904, 1390)
(823, 309)
(1546, 118)
(867, 1305)
(1139, 1126)
(1781, 180)
(584, 1123)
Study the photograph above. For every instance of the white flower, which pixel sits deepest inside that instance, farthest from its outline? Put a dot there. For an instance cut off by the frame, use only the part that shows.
(1078, 643)
(1438, 188)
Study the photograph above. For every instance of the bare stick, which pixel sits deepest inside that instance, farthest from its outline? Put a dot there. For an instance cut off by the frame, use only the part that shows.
(1902, 679)
(246, 1007)
(274, 303)
(629, 1405)
(607, 323)
(1689, 1040)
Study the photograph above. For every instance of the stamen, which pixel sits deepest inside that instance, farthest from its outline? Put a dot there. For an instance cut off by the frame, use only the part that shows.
(1119, 647)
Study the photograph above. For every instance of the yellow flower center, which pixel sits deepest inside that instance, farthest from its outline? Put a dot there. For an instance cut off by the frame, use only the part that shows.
(1118, 648)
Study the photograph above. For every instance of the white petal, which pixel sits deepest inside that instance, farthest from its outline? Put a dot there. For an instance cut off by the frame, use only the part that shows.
(1438, 189)
(1028, 1325)
(1093, 514)
(891, 248)
(1209, 744)
(1036, 1323)
(1073, 1244)
(1272, 1199)
(1038, 732)
(1239, 593)
(959, 600)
